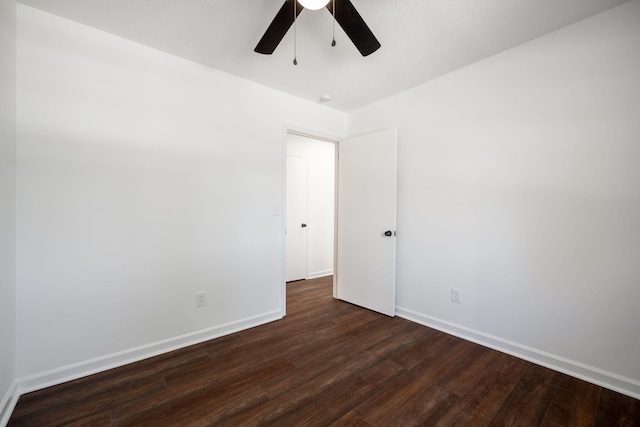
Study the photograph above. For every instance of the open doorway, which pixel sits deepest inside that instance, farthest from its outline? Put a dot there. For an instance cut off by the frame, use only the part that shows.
(310, 207)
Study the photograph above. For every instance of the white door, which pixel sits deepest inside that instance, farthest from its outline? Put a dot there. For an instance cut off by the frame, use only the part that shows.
(296, 257)
(366, 249)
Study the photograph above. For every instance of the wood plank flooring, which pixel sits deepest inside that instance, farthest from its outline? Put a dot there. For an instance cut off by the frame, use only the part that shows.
(329, 363)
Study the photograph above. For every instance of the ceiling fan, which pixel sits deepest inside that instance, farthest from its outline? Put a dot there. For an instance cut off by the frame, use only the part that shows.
(344, 13)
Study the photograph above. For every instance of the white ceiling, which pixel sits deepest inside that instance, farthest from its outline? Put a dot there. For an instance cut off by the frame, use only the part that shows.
(421, 39)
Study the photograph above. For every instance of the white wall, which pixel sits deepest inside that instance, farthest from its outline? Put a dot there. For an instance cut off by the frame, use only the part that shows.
(519, 183)
(142, 178)
(7, 203)
(321, 160)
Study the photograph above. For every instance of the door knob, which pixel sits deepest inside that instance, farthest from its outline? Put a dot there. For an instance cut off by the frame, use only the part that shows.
(388, 233)
(303, 225)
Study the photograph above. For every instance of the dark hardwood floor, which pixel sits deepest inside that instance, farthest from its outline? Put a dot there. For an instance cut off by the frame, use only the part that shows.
(329, 363)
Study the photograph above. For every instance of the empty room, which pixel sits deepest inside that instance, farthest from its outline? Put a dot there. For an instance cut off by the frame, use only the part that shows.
(473, 259)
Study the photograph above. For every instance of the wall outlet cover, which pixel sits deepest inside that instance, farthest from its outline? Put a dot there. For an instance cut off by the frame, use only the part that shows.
(201, 299)
(456, 295)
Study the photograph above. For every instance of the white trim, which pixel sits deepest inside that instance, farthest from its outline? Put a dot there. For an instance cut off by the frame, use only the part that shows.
(311, 134)
(335, 220)
(573, 368)
(283, 223)
(317, 274)
(9, 401)
(88, 367)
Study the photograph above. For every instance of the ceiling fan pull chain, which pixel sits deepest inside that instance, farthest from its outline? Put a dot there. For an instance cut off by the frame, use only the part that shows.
(295, 32)
(333, 43)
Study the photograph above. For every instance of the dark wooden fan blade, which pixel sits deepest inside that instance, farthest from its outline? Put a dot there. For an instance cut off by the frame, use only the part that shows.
(278, 28)
(354, 26)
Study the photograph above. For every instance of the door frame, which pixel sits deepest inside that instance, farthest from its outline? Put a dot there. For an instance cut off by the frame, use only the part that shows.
(288, 128)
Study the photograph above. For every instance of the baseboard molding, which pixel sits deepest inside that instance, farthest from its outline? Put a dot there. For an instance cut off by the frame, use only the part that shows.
(8, 403)
(320, 274)
(82, 369)
(579, 370)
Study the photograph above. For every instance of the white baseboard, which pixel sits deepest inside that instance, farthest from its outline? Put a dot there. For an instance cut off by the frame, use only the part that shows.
(317, 274)
(82, 369)
(579, 370)
(8, 403)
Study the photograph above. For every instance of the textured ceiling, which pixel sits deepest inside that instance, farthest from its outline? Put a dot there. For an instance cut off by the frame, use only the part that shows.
(421, 39)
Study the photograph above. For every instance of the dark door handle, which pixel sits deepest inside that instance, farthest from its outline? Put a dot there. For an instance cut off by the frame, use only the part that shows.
(303, 225)
(388, 233)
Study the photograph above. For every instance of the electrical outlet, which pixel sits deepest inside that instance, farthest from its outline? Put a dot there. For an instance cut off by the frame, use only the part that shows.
(201, 299)
(455, 295)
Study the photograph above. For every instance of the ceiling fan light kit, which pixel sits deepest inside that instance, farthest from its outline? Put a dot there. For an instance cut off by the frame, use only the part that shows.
(344, 13)
(314, 4)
